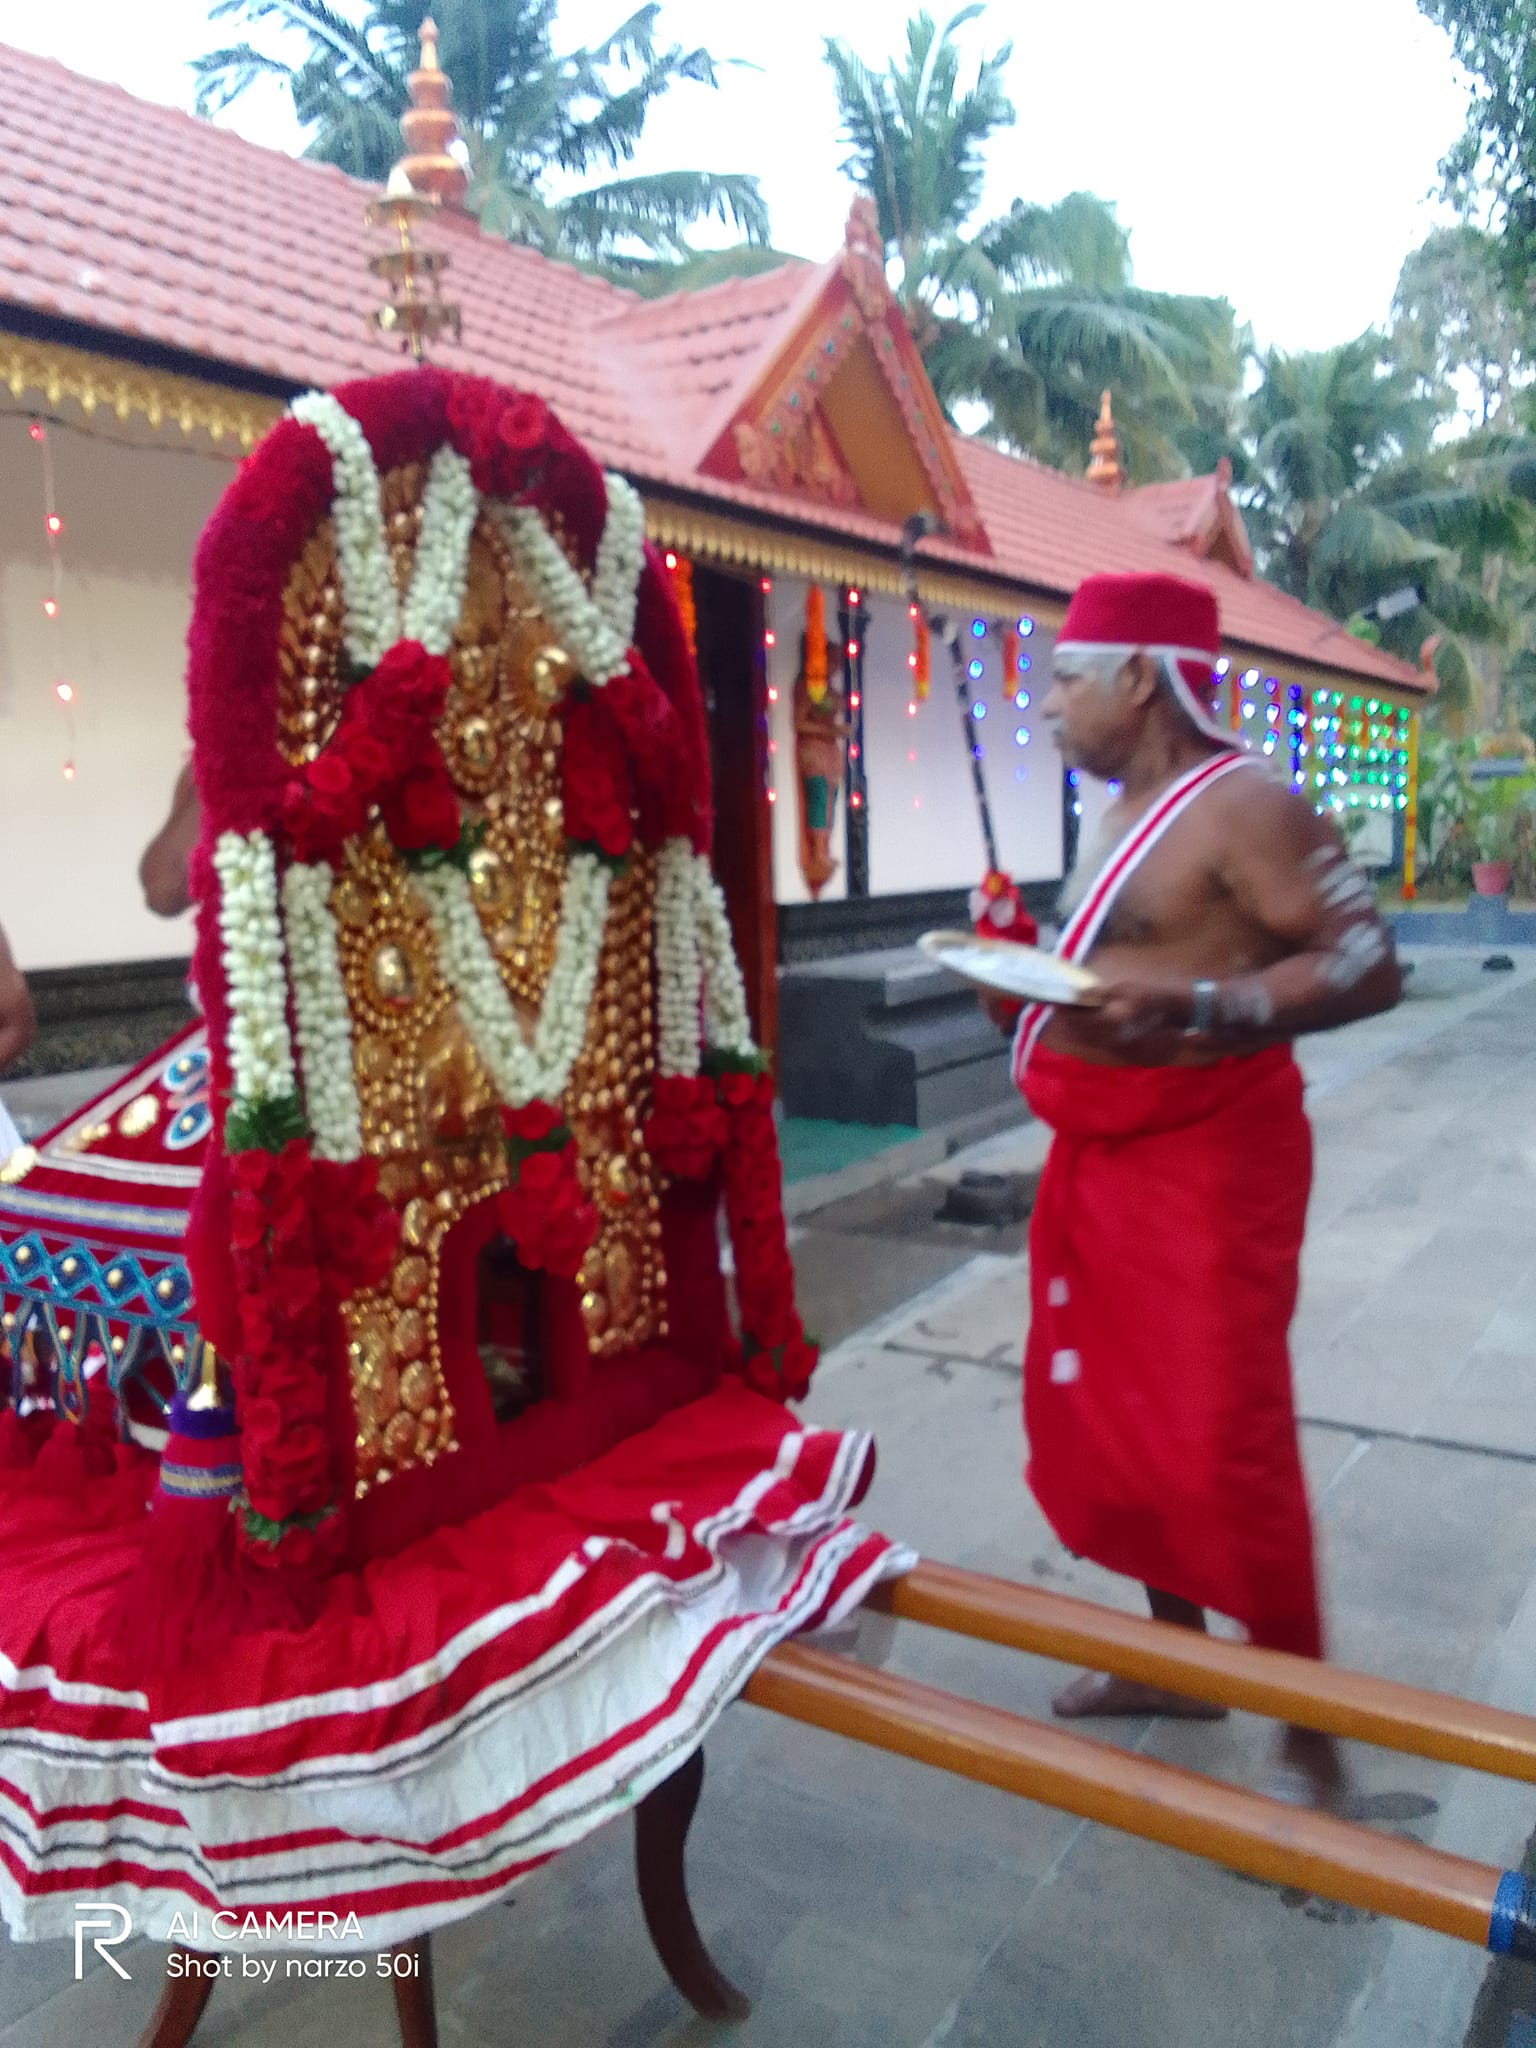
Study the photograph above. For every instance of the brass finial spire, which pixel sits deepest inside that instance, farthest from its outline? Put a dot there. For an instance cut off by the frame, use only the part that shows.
(1104, 467)
(427, 176)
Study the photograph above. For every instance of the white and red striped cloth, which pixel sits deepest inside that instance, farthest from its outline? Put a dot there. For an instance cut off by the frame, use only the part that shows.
(1082, 929)
(457, 1715)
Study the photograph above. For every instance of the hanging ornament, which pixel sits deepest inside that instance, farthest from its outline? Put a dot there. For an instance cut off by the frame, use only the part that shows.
(1008, 640)
(815, 644)
(681, 571)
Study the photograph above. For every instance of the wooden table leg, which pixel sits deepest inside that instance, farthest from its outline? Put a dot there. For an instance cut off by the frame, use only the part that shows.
(182, 2004)
(662, 1821)
(414, 2001)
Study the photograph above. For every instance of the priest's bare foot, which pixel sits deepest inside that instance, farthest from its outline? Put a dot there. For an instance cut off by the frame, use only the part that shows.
(1309, 1771)
(1095, 1695)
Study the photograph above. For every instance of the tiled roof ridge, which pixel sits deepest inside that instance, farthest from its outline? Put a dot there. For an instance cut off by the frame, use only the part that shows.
(639, 314)
(1176, 488)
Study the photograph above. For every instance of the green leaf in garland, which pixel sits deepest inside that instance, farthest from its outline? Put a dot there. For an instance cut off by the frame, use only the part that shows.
(262, 1528)
(519, 1149)
(716, 1062)
(422, 860)
(615, 863)
(265, 1126)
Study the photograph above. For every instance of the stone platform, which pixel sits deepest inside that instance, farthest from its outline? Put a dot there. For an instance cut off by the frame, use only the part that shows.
(886, 1038)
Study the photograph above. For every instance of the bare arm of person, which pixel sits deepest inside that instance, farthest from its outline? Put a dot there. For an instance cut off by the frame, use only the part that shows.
(18, 1021)
(163, 870)
(1287, 871)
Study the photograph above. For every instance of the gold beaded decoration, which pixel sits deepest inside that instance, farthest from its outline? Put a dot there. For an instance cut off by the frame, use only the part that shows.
(309, 690)
(623, 1279)
(430, 1113)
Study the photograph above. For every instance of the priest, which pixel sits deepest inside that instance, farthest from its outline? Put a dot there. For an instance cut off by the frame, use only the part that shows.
(1222, 918)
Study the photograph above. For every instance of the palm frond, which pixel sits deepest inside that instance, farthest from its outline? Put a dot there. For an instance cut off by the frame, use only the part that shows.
(660, 277)
(660, 209)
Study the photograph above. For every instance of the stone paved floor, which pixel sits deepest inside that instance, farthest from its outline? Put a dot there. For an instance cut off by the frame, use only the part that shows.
(868, 1903)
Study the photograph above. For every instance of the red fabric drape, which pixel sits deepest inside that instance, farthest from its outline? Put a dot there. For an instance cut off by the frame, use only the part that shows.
(1164, 1257)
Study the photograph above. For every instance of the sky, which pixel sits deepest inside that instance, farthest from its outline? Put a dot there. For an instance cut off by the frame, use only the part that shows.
(1284, 158)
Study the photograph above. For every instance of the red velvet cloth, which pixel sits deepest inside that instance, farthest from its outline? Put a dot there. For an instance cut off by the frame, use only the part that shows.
(1164, 1256)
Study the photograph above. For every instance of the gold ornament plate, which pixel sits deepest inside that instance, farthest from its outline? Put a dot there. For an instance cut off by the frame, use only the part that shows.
(1009, 969)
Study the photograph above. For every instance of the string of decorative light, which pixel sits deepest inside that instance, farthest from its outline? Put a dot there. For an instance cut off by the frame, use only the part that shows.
(770, 641)
(53, 600)
(853, 621)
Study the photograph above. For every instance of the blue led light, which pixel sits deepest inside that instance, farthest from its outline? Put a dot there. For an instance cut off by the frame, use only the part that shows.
(1023, 664)
(979, 628)
(1021, 736)
(1021, 700)
(1026, 626)
(978, 710)
(1072, 778)
(977, 670)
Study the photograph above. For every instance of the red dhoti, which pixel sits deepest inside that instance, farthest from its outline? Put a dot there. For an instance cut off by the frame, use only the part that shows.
(1164, 1257)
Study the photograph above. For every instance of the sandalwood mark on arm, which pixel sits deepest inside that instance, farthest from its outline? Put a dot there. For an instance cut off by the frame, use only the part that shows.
(1287, 870)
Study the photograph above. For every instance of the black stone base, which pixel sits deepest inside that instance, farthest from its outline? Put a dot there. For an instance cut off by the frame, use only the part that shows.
(103, 1016)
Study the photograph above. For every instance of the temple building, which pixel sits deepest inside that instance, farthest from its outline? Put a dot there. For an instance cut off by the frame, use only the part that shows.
(166, 288)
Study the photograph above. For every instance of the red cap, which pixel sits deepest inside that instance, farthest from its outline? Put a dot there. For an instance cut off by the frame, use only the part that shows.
(1158, 615)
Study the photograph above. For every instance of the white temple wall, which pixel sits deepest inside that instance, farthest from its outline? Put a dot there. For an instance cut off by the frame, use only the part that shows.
(69, 849)
(924, 831)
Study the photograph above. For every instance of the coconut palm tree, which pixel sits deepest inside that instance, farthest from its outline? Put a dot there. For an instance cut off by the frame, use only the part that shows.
(1030, 314)
(533, 120)
(1349, 498)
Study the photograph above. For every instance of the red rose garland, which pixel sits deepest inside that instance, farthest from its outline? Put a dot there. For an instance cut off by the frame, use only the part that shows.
(596, 791)
(517, 449)
(543, 1209)
(382, 752)
(777, 1357)
(305, 1234)
(686, 1129)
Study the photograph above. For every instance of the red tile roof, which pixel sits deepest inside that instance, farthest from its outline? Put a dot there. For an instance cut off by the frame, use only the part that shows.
(179, 233)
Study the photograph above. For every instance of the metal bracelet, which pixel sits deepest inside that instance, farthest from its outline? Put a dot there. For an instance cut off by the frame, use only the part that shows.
(1202, 1016)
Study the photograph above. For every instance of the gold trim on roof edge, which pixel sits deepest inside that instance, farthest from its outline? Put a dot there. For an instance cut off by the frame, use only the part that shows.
(128, 390)
(737, 543)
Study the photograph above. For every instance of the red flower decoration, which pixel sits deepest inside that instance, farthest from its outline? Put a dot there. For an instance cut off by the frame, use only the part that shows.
(423, 810)
(778, 1357)
(596, 789)
(533, 1122)
(356, 1229)
(685, 1131)
(545, 1214)
(525, 425)
(382, 752)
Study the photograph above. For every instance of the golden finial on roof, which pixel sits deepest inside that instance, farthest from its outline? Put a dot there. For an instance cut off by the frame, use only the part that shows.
(1104, 464)
(427, 177)
(429, 127)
